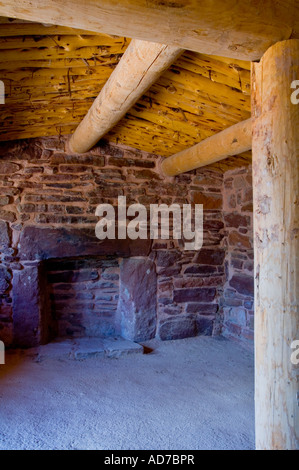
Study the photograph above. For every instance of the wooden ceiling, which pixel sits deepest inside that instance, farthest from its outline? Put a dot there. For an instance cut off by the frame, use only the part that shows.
(52, 74)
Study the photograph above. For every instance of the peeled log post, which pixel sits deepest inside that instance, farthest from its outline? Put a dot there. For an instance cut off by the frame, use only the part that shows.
(276, 226)
(140, 67)
(232, 141)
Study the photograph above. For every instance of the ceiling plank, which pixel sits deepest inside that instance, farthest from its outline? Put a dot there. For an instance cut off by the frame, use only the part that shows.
(218, 27)
(140, 67)
(232, 141)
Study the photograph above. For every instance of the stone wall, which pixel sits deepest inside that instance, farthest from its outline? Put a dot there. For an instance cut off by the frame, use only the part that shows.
(47, 195)
(7, 265)
(238, 300)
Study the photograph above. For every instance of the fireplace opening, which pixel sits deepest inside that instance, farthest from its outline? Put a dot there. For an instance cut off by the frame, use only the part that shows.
(84, 295)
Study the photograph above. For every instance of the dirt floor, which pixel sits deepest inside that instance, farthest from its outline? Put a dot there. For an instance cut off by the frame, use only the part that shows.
(185, 395)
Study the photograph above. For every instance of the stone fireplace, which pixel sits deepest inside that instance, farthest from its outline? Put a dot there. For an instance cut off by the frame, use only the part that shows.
(74, 285)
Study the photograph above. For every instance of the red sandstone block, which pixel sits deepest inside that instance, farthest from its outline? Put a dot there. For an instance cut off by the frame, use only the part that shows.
(236, 264)
(138, 291)
(209, 201)
(237, 220)
(167, 258)
(147, 200)
(8, 168)
(194, 295)
(200, 269)
(210, 257)
(34, 170)
(243, 283)
(178, 327)
(105, 148)
(202, 308)
(105, 193)
(110, 276)
(171, 310)
(74, 168)
(146, 174)
(232, 202)
(9, 191)
(230, 302)
(170, 271)
(5, 277)
(241, 241)
(213, 225)
(4, 200)
(27, 208)
(205, 325)
(57, 209)
(188, 282)
(247, 207)
(65, 220)
(94, 160)
(247, 194)
(249, 265)
(184, 178)
(53, 198)
(8, 216)
(212, 180)
(130, 162)
(84, 296)
(5, 234)
(239, 182)
(58, 178)
(74, 210)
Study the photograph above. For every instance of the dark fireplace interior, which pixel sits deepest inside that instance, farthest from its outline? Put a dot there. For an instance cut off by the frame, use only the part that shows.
(84, 296)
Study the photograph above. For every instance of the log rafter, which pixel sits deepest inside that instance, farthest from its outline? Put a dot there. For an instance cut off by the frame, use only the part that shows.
(232, 141)
(235, 30)
(140, 67)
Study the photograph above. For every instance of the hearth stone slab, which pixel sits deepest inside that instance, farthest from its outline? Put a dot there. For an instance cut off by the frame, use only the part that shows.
(85, 348)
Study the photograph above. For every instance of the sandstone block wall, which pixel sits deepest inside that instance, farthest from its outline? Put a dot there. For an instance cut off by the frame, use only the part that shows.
(44, 187)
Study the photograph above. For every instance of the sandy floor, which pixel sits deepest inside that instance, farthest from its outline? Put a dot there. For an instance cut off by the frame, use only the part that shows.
(185, 395)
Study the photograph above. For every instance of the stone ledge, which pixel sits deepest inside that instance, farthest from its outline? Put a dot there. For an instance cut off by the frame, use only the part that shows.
(80, 349)
(47, 243)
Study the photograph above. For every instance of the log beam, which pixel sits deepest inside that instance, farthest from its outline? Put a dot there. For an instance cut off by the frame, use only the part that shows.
(218, 27)
(140, 67)
(276, 228)
(232, 141)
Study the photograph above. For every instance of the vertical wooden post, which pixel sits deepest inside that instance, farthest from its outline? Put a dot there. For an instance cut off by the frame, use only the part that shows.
(276, 238)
